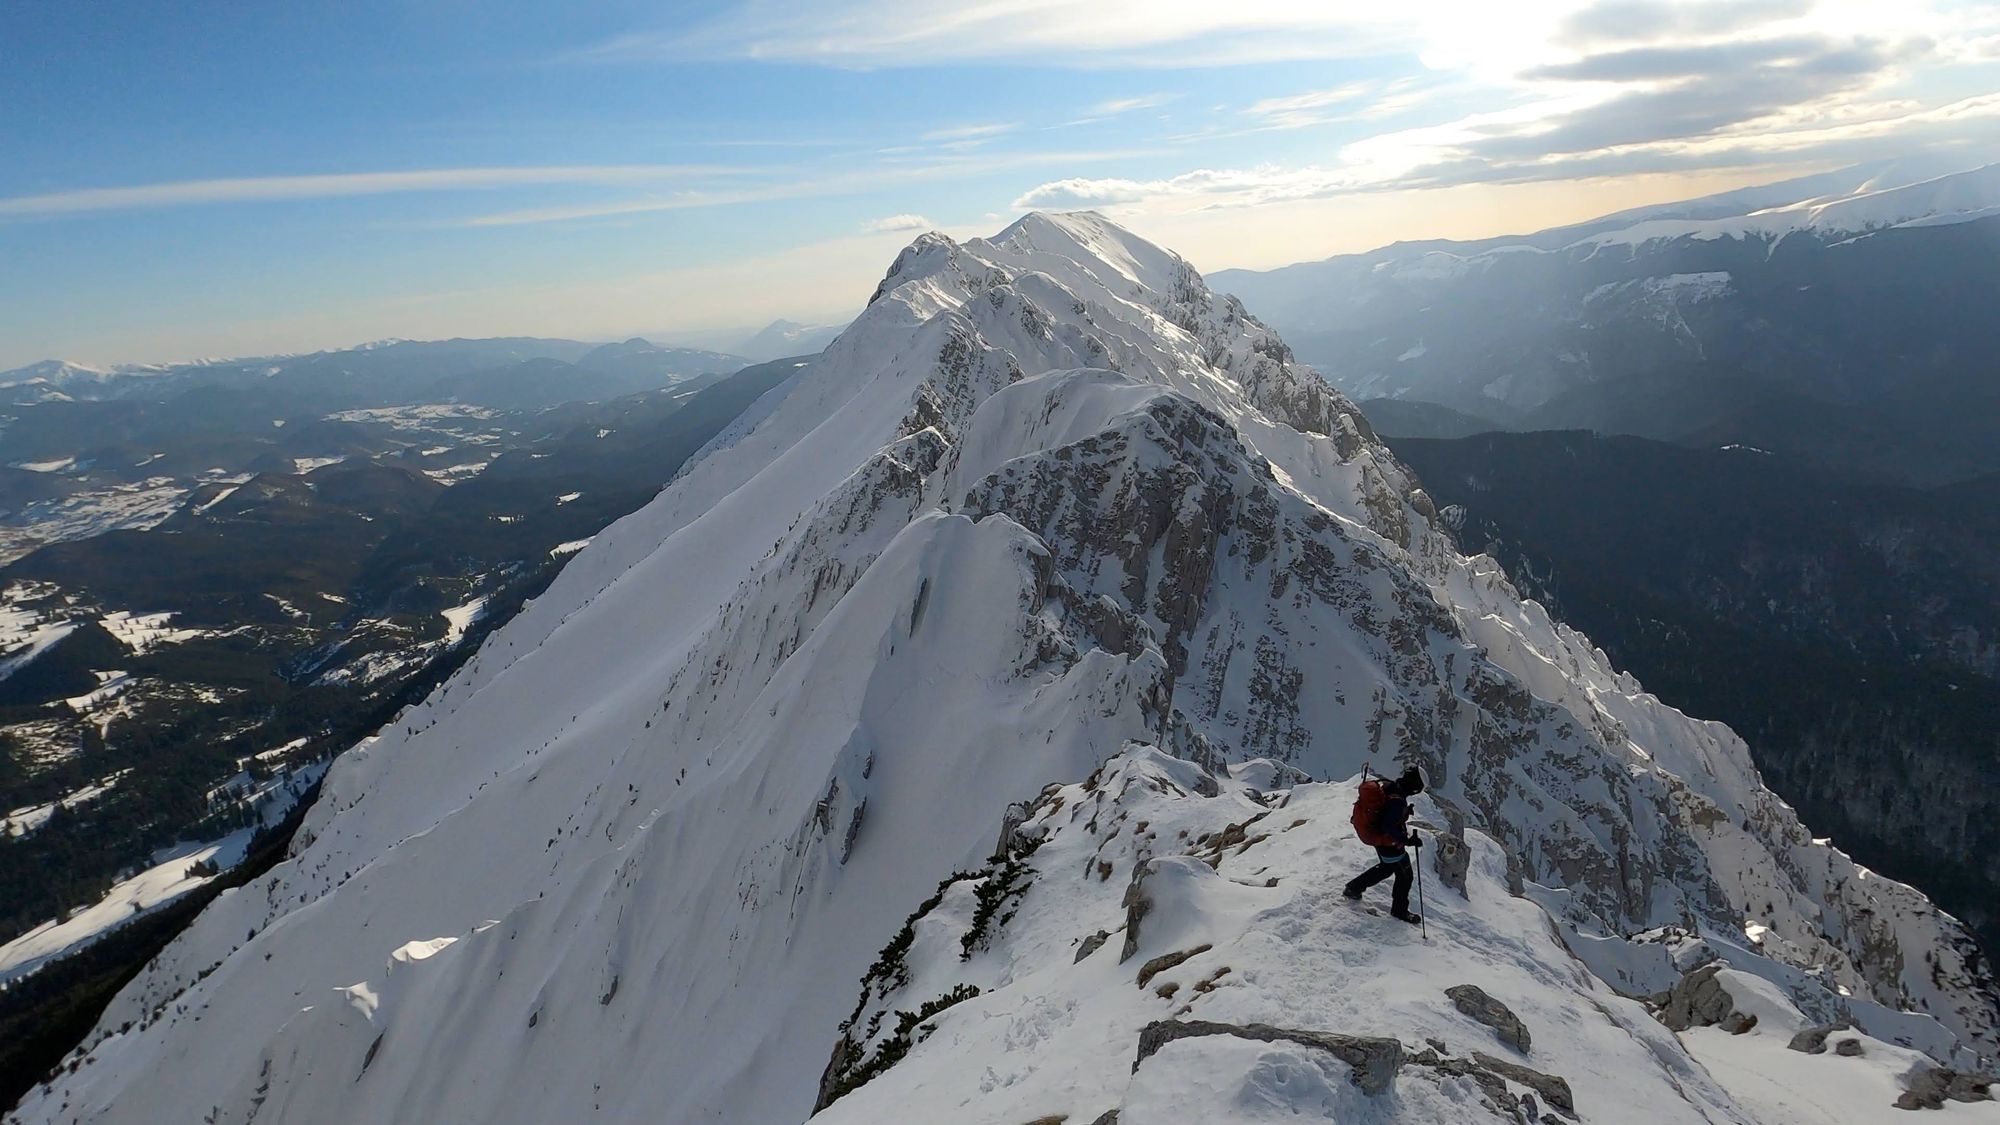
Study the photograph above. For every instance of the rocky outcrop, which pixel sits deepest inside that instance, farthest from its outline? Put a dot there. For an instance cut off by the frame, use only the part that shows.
(1700, 1000)
(1812, 1040)
(1930, 1087)
(1553, 1090)
(1167, 961)
(1375, 1060)
(1137, 906)
(1450, 856)
(1091, 944)
(1493, 1076)
(1473, 1001)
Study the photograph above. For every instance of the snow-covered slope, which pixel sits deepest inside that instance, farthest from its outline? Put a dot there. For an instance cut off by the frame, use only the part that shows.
(1956, 198)
(1172, 945)
(56, 373)
(1047, 501)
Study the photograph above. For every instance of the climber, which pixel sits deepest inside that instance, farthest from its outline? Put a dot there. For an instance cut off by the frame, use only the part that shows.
(1381, 819)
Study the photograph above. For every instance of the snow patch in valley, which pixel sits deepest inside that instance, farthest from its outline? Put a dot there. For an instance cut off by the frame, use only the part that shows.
(1674, 286)
(91, 511)
(459, 618)
(110, 685)
(203, 507)
(167, 879)
(144, 632)
(457, 473)
(24, 821)
(26, 636)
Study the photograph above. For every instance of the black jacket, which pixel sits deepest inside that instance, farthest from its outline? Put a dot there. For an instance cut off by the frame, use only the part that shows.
(1394, 820)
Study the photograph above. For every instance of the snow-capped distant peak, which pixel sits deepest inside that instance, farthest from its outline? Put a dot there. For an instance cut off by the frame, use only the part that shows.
(56, 373)
(1086, 236)
(1957, 197)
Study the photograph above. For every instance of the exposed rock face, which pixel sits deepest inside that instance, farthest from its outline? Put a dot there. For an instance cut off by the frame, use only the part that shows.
(1493, 1075)
(1375, 1060)
(1812, 1040)
(1931, 1087)
(1091, 944)
(1700, 1000)
(1553, 1089)
(1137, 905)
(1474, 1002)
(1449, 854)
(1167, 961)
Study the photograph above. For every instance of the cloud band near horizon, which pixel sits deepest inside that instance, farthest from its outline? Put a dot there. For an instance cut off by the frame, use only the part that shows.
(185, 193)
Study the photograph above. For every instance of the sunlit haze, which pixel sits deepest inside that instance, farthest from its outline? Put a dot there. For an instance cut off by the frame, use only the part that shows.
(218, 179)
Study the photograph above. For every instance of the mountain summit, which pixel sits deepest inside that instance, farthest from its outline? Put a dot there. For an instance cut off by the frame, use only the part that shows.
(1051, 607)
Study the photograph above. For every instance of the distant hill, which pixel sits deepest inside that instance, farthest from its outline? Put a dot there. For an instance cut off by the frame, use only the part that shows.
(1779, 317)
(643, 365)
(1394, 417)
(783, 338)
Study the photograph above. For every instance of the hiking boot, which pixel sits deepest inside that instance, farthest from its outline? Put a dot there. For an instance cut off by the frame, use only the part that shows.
(1350, 894)
(1406, 916)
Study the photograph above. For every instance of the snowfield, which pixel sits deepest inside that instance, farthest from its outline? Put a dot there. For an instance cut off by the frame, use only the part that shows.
(1025, 611)
(167, 879)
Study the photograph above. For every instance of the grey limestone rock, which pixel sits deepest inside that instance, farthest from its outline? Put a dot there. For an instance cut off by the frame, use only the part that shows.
(1700, 1000)
(1812, 1040)
(1475, 1003)
(1375, 1060)
(1091, 943)
(1932, 1086)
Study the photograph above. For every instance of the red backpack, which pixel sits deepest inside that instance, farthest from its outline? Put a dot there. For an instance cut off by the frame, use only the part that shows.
(1368, 806)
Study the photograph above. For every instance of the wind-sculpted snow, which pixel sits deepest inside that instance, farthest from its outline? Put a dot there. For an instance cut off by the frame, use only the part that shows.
(1172, 946)
(1047, 496)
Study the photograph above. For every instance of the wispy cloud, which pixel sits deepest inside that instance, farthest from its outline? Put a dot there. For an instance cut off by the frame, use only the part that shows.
(1112, 107)
(970, 132)
(1267, 184)
(808, 183)
(1626, 21)
(1435, 158)
(885, 33)
(1614, 88)
(891, 223)
(1298, 111)
(187, 193)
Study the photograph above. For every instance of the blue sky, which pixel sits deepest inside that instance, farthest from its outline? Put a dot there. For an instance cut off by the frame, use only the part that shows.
(209, 179)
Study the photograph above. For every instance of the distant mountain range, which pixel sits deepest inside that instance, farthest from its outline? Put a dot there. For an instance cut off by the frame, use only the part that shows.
(1841, 319)
(512, 373)
(215, 573)
(787, 337)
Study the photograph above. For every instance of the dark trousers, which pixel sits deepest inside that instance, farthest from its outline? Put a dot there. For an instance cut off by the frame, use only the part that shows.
(1395, 863)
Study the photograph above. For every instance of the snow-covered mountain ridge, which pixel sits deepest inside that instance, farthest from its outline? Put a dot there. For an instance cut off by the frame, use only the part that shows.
(1836, 319)
(1047, 501)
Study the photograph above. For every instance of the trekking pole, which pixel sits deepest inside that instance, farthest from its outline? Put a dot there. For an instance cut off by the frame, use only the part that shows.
(1423, 912)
